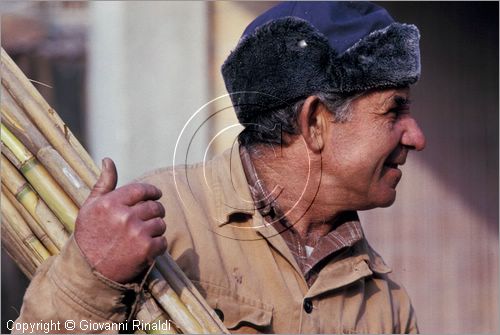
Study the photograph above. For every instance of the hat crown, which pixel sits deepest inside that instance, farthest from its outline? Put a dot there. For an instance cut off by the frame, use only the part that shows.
(343, 23)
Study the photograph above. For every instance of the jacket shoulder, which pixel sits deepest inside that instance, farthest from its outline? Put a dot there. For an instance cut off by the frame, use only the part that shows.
(404, 318)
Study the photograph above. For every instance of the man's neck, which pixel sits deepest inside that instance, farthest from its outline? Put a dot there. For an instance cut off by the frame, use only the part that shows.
(297, 173)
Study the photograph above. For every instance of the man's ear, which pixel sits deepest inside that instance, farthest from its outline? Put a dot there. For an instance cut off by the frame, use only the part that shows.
(313, 123)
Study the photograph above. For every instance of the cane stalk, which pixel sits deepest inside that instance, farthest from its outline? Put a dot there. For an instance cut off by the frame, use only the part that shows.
(15, 249)
(189, 294)
(23, 129)
(47, 120)
(16, 222)
(10, 156)
(62, 206)
(171, 303)
(18, 186)
(32, 224)
(150, 313)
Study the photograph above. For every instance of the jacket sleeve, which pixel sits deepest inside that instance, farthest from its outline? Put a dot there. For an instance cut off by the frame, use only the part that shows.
(407, 319)
(65, 287)
(411, 326)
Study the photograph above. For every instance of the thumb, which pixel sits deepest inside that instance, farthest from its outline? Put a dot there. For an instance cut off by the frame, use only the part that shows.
(107, 180)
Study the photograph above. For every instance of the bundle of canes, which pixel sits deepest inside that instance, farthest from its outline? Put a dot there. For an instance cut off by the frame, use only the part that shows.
(46, 176)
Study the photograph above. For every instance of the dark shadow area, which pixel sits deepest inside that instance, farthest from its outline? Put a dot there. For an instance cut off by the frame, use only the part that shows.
(13, 282)
(189, 262)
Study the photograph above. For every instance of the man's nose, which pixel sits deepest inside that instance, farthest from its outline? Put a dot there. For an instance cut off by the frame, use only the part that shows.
(413, 137)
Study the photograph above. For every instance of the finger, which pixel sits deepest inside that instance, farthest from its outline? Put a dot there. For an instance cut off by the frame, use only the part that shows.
(158, 247)
(155, 227)
(146, 210)
(107, 180)
(134, 193)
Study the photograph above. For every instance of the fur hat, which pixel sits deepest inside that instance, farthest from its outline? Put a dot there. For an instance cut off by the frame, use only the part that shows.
(299, 48)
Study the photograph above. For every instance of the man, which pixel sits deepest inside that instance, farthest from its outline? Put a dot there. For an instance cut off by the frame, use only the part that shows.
(268, 231)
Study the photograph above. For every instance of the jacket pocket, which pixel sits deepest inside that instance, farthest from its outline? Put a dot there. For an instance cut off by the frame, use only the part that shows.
(238, 313)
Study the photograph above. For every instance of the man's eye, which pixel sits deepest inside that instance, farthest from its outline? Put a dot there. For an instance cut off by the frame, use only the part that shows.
(393, 114)
(396, 113)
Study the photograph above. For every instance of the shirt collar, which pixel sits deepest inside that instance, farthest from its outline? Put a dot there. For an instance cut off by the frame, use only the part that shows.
(264, 200)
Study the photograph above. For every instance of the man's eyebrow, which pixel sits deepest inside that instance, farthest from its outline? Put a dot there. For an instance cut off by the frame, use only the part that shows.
(402, 101)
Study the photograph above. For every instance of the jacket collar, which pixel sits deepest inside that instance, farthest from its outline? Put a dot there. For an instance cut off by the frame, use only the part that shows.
(232, 194)
(234, 197)
(361, 261)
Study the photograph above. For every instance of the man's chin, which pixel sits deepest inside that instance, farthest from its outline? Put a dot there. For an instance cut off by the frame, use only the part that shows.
(387, 204)
(381, 199)
(386, 199)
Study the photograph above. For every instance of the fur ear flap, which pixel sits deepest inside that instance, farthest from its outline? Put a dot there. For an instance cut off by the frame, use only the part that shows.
(281, 62)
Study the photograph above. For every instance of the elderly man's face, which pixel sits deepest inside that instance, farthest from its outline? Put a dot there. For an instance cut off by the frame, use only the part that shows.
(363, 154)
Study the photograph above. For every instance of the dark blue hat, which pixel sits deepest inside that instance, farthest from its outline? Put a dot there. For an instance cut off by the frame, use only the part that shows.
(343, 23)
(300, 48)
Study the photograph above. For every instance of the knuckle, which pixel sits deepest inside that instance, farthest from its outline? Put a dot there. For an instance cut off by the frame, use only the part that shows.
(152, 207)
(135, 232)
(157, 223)
(104, 204)
(126, 217)
(137, 191)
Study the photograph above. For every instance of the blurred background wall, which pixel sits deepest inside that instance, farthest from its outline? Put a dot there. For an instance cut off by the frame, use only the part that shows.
(130, 78)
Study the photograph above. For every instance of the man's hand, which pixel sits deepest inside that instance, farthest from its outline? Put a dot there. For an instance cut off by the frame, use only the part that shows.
(120, 231)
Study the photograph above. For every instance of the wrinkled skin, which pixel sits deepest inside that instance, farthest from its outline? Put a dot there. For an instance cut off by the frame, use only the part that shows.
(120, 230)
(363, 155)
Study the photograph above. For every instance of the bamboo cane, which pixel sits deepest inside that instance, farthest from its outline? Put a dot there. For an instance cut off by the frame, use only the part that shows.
(62, 206)
(16, 222)
(37, 208)
(15, 252)
(10, 156)
(53, 129)
(172, 304)
(150, 313)
(32, 224)
(189, 294)
(38, 110)
(21, 126)
(16, 146)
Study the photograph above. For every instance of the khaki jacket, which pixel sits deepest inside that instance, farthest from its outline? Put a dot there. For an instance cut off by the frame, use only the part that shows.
(241, 265)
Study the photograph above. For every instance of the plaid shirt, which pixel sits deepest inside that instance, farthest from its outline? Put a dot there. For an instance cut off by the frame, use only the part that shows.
(347, 231)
